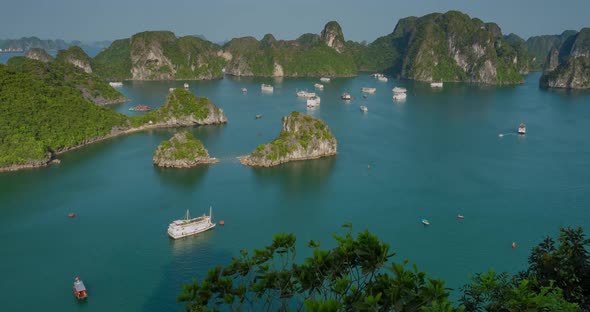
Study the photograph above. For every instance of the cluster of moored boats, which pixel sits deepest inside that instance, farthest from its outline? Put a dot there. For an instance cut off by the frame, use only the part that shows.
(140, 108)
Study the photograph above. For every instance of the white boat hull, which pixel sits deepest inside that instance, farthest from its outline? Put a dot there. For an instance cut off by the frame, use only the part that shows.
(177, 234)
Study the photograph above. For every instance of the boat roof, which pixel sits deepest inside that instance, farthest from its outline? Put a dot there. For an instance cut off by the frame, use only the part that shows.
(79, 286)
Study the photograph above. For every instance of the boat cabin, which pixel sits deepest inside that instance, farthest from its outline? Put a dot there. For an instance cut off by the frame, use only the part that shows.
(80, 289)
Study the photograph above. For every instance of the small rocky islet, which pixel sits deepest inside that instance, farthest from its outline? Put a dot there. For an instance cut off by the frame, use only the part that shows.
(302, 137)
(183, 150)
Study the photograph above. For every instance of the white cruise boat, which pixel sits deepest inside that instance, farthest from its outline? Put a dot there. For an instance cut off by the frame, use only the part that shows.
(382, 79)
(368, 90)
(171, 89)
(364, 109)
(399, 96)
(266, 88)
(324, 79)
(319, 86)
(436, 84)
(116, 84)
(187, 227)
(305, 94)
(399, 90)
(377, 75)
(522, 128)
(186, 85)
(313, 102)
(346, 96)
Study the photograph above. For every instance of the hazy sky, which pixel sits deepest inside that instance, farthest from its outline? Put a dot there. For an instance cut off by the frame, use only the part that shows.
(225, 19)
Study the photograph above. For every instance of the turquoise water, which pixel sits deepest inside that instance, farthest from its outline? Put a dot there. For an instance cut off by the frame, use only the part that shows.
(433, 156)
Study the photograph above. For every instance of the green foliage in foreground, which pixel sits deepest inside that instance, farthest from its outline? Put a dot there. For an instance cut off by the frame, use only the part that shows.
(358, 275)
(179, 102)
(42, 112)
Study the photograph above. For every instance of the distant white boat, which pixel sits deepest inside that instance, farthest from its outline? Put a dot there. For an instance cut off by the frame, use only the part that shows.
(116, 84)
(186, 85)
(187, 227)
(313, 102)
(399, 90)
(319, 86)
(244, 90)
(377, 75)
(346, 96)
(522, 129)
(382, 79)
(305, 94)
(364, 109)
(266, 88)
(368, 90)
(171, 89)
(399, 96)
(324, 79)
(436, 84)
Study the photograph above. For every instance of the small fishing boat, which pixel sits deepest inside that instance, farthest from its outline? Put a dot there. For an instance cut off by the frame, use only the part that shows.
(186, 227)
(382, 79)
(460, 216)
(79, 289)
(522, 129)
(266, 88)
(425, 222)
(140, 108)
(368, 90)
(346, 96)
(325, 79)
(364, 109)
(258, 116)
(438, 84)
(319, 86)
(115, 84)
(244, 90)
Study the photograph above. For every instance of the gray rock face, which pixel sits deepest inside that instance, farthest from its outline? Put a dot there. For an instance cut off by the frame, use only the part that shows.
(303, 137)
(39, 55)
(570, 67)
(333, 37)
(148, 61)
(183, 150)
(76, 56)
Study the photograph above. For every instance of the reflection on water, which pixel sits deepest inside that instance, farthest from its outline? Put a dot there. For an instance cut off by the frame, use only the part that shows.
(191, 244)
(298, 176)
(182, 177)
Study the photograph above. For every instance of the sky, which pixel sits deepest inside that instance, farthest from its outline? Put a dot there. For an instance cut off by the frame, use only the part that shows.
(220, 20)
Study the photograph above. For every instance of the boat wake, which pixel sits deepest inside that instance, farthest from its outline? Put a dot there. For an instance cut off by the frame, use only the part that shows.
(505, 134)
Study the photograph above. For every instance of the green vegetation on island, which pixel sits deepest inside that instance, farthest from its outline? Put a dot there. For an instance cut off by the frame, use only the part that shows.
(539, 47)
(445, 47)
(310, 55)
(302, 137)
(183, 150)
(41, 113)
(160, 55)
(45, 109)
(182, 108)
(569, 66)
(39, 55)
(76, 56)
(358, 274)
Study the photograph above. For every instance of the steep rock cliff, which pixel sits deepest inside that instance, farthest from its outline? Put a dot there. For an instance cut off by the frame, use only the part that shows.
(573, 68)
(303, 137)
(39, 55)
(76, 56)
(183, 150)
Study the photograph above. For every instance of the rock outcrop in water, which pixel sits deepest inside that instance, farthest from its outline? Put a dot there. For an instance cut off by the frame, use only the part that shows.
(76, 56)
(39, 55)
(183, 150)
(569, 66)
(182, 109)
(303, 137)
(160, 55)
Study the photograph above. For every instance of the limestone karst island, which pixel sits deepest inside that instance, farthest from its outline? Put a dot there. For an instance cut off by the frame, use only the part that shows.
(293, 156)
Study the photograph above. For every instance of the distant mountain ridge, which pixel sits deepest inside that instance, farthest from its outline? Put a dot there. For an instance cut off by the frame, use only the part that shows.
(27, 43)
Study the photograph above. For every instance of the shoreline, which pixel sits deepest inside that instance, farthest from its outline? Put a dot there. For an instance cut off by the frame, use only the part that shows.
(52, 158)
(244, 160)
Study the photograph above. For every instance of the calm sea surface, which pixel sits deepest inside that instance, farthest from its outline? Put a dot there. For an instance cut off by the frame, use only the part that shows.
(433, 156)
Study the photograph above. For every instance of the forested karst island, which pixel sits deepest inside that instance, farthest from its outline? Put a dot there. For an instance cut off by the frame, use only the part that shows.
(569, 65)
(183, 150)
(47, 109)
(302, 137)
